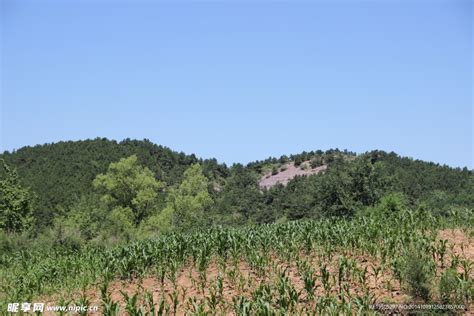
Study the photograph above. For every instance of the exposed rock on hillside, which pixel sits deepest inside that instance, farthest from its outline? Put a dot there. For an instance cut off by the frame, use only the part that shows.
(288, 172)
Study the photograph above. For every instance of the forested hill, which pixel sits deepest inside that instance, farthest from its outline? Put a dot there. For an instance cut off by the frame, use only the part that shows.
(61, 174)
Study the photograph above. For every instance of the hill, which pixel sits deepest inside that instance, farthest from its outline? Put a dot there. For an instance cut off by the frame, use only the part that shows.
(60, 174)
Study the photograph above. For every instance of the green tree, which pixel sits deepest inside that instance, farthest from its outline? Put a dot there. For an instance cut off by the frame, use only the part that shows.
(15, 202)
(274, 170)
(92, 220)
(299, 199)
(187, 204)
(369, 181)
(298, 160)
(240, 200)
(128, 188)
(88, 216)
(316, 162)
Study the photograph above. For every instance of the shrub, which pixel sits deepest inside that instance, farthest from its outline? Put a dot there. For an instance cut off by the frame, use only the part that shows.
(392, 203)
(448, 285)
(329, 158)
(316, 162)
(417, 274)
(13, 242)
(274, 170)
(298, 161)
(65, 237)
(283, 159)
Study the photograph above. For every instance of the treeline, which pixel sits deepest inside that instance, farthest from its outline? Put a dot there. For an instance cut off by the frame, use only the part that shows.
(106, 191)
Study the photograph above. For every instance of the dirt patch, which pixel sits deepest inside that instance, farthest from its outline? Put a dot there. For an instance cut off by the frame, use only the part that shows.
(230, 280)
(288, 172)
(242, 280)
(459, 247)
(459, 243)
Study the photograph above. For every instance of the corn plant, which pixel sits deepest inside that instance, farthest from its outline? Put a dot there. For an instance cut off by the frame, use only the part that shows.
(109, 307)
(325, 252)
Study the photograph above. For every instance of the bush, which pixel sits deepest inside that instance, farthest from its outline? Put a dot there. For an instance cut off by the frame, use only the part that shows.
(316, 162)
(448, 285)
(274, 170)
(454, 288)
(298, 161)
(417, 274)
(329, 158)
(10, 242)
(392, 203)
(283, 159)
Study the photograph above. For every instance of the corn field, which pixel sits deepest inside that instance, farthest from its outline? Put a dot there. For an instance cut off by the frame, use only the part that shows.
(330, 266)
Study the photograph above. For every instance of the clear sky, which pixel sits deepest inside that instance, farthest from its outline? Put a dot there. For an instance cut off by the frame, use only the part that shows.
(242, 80)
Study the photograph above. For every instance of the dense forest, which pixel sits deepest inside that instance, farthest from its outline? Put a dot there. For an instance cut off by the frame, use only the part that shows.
(71, 189)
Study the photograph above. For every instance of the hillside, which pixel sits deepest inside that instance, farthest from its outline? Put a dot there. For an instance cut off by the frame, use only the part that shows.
(60, 173)
(60, 176)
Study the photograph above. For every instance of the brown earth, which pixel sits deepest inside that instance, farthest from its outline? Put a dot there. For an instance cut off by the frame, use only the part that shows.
(462, 244)
(289, 172)
(241, 279)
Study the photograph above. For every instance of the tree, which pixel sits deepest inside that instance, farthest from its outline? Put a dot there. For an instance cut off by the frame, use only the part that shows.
(316, 162)
(187, 204)
(88, 216)
(369, 182)
(298, 160)
(274, 170)
(15, 202)
(240, 200)
(128, 187)
(334, 193)
(299, 199)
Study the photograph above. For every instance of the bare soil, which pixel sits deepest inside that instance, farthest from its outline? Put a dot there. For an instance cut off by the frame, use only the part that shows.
(241, 279)
(290, 171)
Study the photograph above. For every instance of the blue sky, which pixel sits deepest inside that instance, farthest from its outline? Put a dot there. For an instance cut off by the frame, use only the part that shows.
(242, 80)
